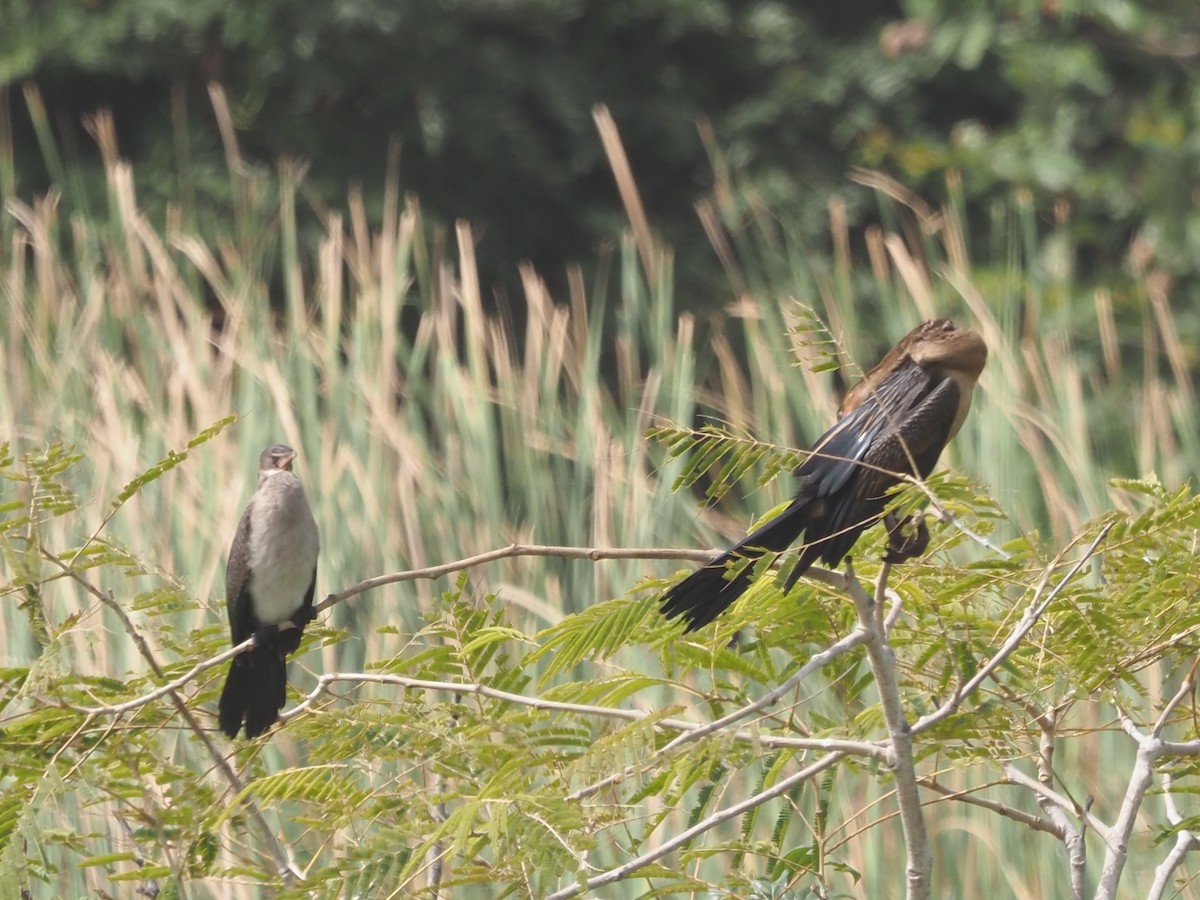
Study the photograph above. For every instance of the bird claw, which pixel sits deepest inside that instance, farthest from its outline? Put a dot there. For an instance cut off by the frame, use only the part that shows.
(907, 538)
(303, 616)
(267, 633)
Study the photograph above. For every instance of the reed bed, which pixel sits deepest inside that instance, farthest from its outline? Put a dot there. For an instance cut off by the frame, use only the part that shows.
(434, 423)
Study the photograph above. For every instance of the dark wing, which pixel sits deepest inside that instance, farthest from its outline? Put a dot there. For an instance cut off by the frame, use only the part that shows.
(237, 579)
(914, 447)
(838, 452)
(901, 427)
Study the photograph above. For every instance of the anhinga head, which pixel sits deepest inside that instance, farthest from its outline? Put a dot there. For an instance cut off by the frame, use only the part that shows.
(939, 342)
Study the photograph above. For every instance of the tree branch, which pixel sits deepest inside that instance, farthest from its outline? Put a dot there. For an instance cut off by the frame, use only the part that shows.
(845, 747)
(628, 868)
(470, 562)
(1037, 607)
(163, 690)
(1035, 823)
(1185, 842)
(1016, 776)
(1150, 748)
(883, 667)
(1072, 837)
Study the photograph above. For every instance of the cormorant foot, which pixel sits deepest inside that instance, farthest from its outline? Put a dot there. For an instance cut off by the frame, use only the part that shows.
(303, 616)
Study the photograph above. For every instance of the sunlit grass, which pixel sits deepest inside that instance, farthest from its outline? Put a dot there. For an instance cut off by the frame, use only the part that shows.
(433, 425)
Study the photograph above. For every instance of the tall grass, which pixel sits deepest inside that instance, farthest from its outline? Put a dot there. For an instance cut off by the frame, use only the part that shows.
(431, 428)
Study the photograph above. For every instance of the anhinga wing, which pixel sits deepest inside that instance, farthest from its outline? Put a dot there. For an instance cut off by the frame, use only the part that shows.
(906, 410)
(899, 428)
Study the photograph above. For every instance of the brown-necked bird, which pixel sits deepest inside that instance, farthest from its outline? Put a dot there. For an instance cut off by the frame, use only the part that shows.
(269, 580)
(893, 423)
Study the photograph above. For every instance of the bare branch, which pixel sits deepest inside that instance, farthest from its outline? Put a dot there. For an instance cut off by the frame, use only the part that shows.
(858, 748)
(628, 868)
(1033, 614)
(1016, 776)
(470, 562)
(1117, 840)
(1150, 748)
(1181, 748)
(1072, 837)
(163, 690)
(1185, 691)
(1185, 842)
(1035, 823)
(883, 667)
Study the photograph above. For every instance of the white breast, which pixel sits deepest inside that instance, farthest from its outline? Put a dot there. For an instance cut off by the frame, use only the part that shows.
(283, 548)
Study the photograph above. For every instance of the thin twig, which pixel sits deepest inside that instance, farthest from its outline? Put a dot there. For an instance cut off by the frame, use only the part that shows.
(1016, 776)
(1032, 615)
(630, 867)
(170, 687)
(1035, 823)
(470, 562)
(858, 748)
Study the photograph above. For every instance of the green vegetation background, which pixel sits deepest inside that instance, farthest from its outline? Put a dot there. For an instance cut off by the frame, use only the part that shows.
(1027, 168)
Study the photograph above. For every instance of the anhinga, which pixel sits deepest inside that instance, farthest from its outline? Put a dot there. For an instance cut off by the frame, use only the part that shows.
(893, 423)
(269, 581)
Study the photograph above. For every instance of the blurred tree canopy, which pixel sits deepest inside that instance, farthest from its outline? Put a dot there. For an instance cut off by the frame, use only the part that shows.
(1090, 106)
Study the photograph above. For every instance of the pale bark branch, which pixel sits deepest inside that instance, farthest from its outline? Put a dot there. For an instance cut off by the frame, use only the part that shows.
(1037, 607)
(513, 550)
(1150, 748)
(1185, 842)
(1016, 776)
(967, 796)
(858, 748)
(732, 812)
(882, 660)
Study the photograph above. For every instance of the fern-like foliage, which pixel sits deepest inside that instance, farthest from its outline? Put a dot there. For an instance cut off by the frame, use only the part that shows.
(487, 759)
(721, 457)
(813, 344)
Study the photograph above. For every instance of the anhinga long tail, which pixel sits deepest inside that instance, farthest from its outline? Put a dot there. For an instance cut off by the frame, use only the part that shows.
(707, 592)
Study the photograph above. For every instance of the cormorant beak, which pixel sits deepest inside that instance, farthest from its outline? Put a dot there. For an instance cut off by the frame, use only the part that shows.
(285, 462)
